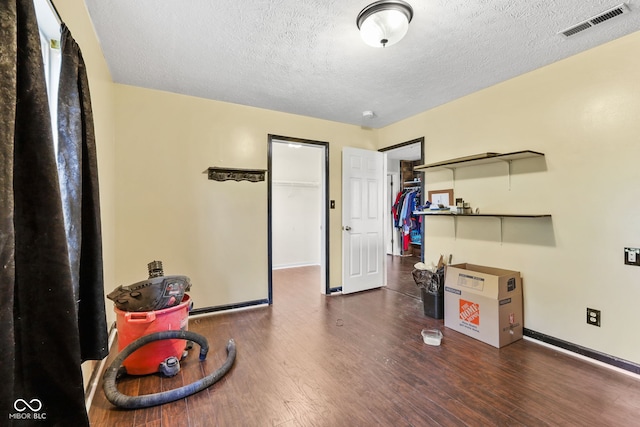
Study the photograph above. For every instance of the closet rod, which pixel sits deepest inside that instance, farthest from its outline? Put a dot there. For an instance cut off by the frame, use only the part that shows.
(296, 183)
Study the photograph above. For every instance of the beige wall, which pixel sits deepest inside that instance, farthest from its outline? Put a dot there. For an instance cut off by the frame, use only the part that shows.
(214, 232)
(584, 114)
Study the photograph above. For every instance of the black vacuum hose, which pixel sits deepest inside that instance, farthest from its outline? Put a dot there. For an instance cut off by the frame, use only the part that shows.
(133, 402)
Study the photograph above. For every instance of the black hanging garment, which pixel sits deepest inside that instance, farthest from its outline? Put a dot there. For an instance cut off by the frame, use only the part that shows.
(52, 312)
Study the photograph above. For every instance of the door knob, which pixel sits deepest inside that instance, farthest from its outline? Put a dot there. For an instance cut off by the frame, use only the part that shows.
(347, 228)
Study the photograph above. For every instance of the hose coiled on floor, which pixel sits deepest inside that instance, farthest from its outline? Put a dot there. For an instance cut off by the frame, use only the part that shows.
(133, 402)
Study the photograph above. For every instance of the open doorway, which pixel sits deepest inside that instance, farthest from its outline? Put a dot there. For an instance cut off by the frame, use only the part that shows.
(404, 235)
(298, 209)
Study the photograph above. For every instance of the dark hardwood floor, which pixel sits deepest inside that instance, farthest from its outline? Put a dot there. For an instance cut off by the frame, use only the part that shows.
(359, 360)
(399, 276)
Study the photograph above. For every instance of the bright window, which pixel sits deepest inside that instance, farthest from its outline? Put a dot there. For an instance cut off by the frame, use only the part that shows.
(50, 34)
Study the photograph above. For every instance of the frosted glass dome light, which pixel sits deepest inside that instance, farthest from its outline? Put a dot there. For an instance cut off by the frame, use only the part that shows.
(384, 23)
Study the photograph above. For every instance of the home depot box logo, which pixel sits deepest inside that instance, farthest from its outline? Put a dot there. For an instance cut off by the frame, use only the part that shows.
(498, 291)
(470, 312)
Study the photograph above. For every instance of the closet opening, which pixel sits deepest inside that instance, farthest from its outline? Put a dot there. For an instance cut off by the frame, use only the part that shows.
(404, 233)
(298, 210)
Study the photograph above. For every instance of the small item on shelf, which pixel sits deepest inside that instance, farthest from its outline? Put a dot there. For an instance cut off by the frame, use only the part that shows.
(463, 207)
(438, 207)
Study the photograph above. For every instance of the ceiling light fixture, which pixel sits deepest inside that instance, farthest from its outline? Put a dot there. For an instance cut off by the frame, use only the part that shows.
(384, 23)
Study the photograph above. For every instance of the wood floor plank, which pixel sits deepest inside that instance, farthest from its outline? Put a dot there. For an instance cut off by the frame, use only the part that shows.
(174, 413)
(399, 276)
(359, 360)
(199, 406)
(147, 384)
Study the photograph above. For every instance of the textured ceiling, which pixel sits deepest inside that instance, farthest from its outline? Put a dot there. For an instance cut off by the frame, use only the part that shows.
(306, 56)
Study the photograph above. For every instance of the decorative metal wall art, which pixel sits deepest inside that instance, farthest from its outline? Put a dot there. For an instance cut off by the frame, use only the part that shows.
(235, 174)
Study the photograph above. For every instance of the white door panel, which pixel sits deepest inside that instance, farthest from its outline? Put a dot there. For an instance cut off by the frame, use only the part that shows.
(362, 219)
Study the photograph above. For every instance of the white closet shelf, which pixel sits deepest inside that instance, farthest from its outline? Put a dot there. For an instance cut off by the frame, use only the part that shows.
(296, 183)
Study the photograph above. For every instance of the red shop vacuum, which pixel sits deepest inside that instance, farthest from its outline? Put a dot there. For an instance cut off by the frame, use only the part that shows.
(152, 322)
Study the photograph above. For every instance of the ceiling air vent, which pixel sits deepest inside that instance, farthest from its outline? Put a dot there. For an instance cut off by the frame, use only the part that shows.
(595, 20)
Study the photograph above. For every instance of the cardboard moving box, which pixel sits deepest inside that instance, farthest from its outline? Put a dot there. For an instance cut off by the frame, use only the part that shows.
(484, 303)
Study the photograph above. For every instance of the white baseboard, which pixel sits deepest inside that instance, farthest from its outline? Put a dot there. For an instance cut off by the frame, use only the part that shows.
(91, 388)
(295, 265)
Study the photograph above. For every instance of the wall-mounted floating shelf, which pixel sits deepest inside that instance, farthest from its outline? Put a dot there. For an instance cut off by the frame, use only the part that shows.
(235, 174)
(478, 159)
(500, 216)
(437, 213)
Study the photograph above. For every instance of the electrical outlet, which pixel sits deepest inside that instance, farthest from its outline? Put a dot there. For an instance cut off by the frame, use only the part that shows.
(632, 256)
(593, 317)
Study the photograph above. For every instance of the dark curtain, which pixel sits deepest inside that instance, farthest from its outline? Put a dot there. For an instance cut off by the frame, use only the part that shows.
(52, 311)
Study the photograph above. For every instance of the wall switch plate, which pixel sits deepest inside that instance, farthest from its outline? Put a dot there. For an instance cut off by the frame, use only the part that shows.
(593, 316)
(632, 256)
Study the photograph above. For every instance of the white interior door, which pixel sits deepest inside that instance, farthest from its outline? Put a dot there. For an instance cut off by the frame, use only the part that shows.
(363, 249)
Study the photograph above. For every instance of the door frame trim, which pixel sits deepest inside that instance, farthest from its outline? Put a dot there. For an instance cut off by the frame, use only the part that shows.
(403, 144)
(421, 141)
(270, 141)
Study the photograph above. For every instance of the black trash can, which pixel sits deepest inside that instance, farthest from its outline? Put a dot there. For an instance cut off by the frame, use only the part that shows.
(432, 288)
(433, 304)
